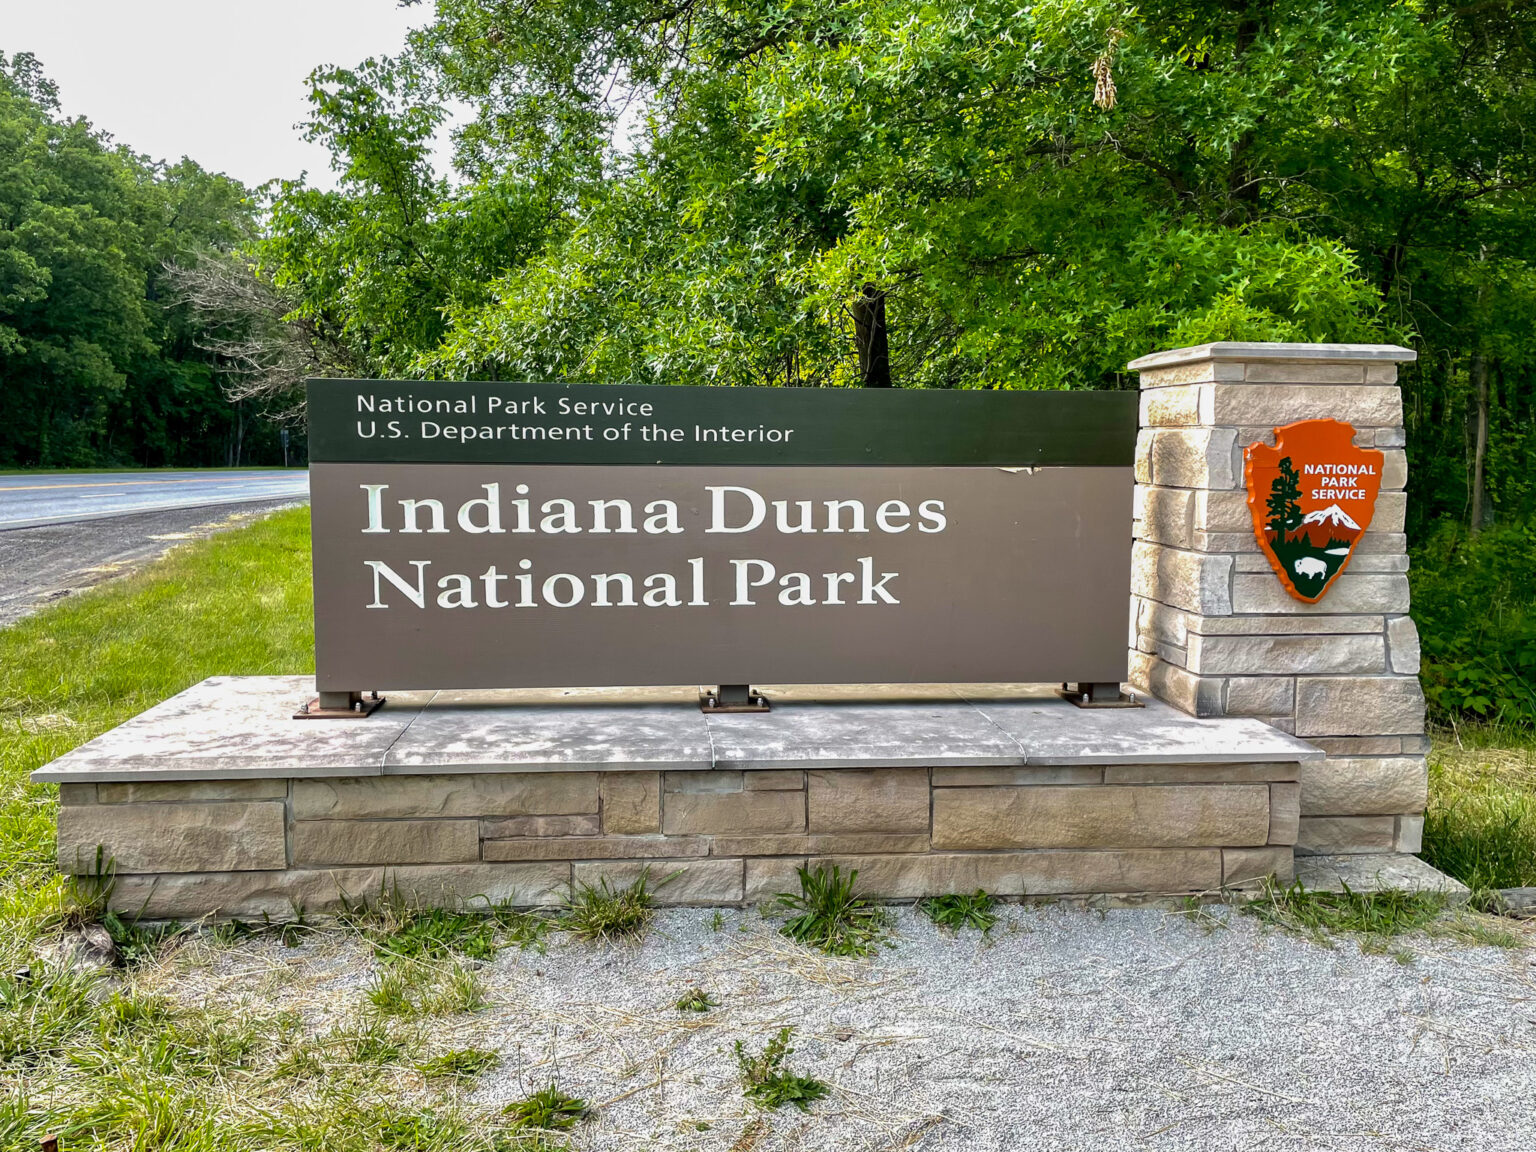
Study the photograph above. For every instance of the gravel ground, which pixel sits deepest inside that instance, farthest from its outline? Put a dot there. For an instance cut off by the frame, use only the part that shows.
(1065, 1029)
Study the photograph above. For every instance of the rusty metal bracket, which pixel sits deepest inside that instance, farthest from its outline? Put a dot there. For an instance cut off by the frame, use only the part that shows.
(1086, 695)
(357, 707)
(733, 698)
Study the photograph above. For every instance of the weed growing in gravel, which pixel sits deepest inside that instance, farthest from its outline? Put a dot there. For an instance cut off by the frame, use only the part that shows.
(399, 929)
(696, 1000)
(607, 913)
(767, 1083)
(1320, 916)
(460, 1064)
(415, 988)
(827, 915)
(958, 910)
(547, 1110)
(368, 1042)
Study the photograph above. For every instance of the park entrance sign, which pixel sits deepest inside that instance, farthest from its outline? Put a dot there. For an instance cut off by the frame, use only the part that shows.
(488, 535)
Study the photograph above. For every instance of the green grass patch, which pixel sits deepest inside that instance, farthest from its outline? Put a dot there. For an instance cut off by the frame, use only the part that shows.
(1480, 826)
(1324, 916)
(961, 910)
(826, 914)
(608, 913)
(767, 1081)
(461, 1064)
(420, 988)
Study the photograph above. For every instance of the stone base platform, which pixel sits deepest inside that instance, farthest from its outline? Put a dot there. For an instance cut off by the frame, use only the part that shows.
(218, 803)
(1377, 872)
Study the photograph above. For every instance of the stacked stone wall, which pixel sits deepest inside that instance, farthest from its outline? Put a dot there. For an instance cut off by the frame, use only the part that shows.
(248, 847)
(1215, 633)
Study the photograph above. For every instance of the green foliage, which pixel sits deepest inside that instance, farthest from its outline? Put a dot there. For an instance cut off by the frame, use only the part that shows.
(696, 1000)
(607, 913)
(460, 1064)
(1475, 603)
(827, 915)
(769, 1084)
(959, 910)
(548, 1110)
(100, 364)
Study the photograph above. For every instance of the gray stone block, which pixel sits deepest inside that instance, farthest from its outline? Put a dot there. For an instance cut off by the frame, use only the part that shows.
(1038, 873)
(1359, 706)
(895, 734)
(390, 842)
(1403, 642)
(232, 727)
(1251, 867)
(473, 731)
(1284, 812)
(1260, 696)
(1331, 835)
(1350, 594)
(1285, 655)
(200, 837)
(1111, 816)
(1286, 402)
(185, 791)
(674, 882)
(1193, 581)
(1364, 786)
(880, 800)
(485, 794)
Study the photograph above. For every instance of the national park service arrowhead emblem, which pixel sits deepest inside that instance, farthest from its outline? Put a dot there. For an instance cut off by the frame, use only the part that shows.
(1311, 496)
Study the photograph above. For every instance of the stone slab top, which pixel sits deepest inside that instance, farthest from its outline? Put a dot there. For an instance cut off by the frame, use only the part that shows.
(241, 727)
(1246, 350)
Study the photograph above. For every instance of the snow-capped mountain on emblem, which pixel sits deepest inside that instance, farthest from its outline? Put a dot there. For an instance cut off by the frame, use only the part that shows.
(1332, 514)
(1311, 497)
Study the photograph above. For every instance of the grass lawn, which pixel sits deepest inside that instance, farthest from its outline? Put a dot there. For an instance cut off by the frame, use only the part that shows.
(1481, 823)
(238, 603)
(124, 1065)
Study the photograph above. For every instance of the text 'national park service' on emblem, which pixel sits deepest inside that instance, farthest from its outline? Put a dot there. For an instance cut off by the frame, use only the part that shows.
(1311, 496)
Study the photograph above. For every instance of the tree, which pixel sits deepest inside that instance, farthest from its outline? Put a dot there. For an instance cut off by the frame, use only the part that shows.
(1284, 501)
(98, 363)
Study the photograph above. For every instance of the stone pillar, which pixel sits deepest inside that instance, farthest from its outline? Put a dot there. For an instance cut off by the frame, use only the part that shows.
(1213, 631)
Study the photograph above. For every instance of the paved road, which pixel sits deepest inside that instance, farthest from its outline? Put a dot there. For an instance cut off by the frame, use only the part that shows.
(27, 501)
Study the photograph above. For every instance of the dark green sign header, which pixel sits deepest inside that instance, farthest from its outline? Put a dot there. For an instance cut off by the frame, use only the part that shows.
(421, 422)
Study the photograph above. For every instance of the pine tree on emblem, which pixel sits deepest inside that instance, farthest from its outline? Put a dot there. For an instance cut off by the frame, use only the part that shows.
(1284, 501)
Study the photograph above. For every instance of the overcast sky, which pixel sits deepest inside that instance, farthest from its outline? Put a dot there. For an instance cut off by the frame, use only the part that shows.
(221, 81)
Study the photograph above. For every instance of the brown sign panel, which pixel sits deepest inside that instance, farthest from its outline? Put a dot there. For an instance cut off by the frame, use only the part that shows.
(517, 575)
(1311, 497)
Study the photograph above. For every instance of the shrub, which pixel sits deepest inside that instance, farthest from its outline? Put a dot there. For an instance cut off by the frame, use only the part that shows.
(1474, 599)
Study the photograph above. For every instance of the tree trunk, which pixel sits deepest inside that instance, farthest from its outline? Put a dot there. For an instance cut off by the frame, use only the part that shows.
(869, 334)
(1480, 444)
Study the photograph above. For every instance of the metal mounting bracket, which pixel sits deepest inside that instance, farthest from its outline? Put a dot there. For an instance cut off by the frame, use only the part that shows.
(1086, 695)
(733, 698)
(340, 706)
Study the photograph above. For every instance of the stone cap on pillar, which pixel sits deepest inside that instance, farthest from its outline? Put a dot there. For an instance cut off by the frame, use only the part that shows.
(1242, 350)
